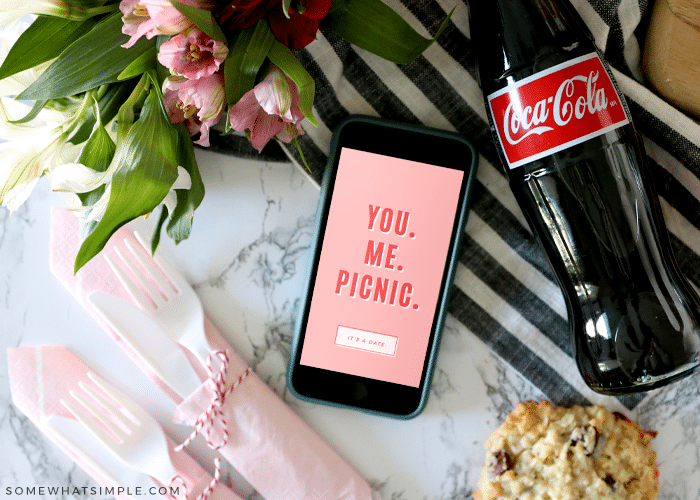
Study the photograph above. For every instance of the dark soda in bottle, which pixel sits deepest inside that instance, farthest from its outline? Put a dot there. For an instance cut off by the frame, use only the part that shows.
(576, 167)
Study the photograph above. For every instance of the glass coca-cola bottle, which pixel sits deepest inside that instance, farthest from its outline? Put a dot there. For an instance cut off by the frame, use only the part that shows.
(576, 166)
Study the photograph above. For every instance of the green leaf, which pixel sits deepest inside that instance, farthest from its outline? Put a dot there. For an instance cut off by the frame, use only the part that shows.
(99, 150)
(44, 40)
(92, 197)
(338, 4)
(128, 109)
(155, 239)
(146, 169)
(188, 200)
(94, 59)
(157, 86)
(80, 8)
(375, 27)
(283, 58)
(89, 4)
(97, 155)
(245, 59)
(201, 18)
(33, 113)
(145, 62)
(109, 105)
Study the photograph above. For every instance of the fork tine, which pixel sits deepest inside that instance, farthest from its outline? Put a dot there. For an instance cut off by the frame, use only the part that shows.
(158, 276)
(168, 269)
(137, 413)
(90, 424)
(103, 410)
(156, 295)
(134, 292)
(116, 414)
(56, 427)
(143, 446)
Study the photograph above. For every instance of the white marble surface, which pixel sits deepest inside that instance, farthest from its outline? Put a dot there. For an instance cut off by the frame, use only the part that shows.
(246, 258)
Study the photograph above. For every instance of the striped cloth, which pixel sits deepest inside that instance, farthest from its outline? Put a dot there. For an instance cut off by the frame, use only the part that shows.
(505, 291)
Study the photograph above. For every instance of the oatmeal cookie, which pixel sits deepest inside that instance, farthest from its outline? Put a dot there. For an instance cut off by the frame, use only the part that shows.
(542, 452)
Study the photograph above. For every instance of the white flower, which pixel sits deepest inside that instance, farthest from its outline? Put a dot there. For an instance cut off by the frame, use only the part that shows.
(13, 10)
(33, 148)
(73, 178)
(183, 181)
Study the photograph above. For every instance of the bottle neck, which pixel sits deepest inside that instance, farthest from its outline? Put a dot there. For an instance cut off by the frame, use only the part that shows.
(516, 38)
(525, 29)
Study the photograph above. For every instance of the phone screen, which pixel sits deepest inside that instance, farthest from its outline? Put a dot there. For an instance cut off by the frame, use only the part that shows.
(380, 270)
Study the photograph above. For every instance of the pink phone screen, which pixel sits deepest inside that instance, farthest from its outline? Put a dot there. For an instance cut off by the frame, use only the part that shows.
(381, 266)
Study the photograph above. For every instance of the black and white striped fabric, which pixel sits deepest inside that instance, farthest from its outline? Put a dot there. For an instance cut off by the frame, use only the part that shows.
(505, 291)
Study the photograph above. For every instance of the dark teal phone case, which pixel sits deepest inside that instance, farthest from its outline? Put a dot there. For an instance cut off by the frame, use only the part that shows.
(314, 247)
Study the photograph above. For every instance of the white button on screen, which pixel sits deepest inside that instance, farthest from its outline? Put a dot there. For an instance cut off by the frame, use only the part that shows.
(366, 341)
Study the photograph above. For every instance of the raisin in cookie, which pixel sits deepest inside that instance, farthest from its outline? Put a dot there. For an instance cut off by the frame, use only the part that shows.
(542, 452)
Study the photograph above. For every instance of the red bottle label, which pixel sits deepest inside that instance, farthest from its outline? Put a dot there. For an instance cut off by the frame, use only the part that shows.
(555, 109)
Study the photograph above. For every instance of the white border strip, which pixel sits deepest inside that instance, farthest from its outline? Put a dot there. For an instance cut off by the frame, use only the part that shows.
(561, 147)
(541, 74)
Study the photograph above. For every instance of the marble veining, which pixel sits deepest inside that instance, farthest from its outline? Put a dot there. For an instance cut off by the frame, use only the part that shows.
(246, 259)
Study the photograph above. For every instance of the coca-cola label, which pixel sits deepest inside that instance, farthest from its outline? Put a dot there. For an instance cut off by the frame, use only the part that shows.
(555, 109)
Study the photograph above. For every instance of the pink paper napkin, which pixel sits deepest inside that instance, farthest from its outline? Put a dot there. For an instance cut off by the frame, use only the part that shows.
(236, 412)
(41, 376)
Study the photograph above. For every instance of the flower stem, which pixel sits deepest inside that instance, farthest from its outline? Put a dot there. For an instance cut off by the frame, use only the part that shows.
(301, 153)
(80, 14)
(78, 117)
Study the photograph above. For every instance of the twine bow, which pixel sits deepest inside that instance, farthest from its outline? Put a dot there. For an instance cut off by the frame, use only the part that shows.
(213, 417)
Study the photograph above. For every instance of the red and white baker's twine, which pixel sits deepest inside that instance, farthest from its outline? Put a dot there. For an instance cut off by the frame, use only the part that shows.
(214, 413)
(177, 479)
(204, 495)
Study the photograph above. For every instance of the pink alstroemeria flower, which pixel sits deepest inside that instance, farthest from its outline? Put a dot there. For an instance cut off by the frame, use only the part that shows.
(156, 17)
(270, 109)
(194, 56)
(199, 103)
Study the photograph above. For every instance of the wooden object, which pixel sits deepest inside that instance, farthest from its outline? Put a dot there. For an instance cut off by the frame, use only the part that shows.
(672, 53)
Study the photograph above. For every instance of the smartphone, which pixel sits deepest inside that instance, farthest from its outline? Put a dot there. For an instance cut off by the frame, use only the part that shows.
(392, 210)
